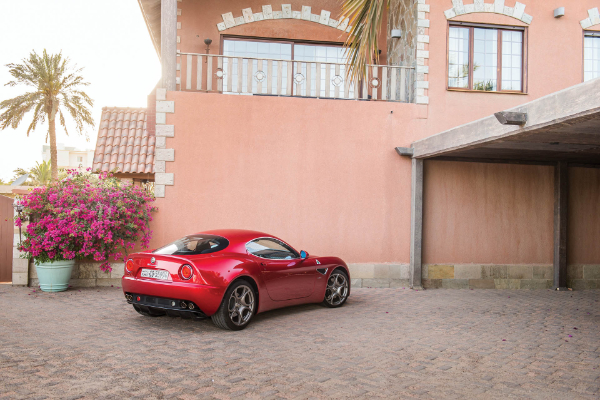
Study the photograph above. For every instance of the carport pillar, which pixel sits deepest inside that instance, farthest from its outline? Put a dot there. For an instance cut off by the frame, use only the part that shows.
(416, 223)
(561, 193)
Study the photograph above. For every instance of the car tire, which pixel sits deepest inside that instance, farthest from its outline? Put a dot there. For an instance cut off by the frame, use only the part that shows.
(337, 290)
(237, 307)
(145, 313)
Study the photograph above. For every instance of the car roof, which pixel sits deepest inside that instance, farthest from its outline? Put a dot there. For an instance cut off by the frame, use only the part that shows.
(238, 236)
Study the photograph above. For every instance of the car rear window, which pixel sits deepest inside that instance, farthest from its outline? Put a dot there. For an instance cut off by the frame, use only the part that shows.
(194, 244)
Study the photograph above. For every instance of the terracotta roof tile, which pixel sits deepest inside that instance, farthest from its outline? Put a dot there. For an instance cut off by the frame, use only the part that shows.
(123, 142)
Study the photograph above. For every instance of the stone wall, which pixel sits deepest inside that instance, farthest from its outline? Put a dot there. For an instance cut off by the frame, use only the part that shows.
(490, 276)
(87, 274)
(372, 275)
(378, 275)
(403, 15)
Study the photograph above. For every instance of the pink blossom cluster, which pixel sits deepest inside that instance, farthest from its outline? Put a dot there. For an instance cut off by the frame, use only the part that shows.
(85, 216)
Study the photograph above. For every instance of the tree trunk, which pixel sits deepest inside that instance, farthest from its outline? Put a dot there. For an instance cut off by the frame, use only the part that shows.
(53, 151)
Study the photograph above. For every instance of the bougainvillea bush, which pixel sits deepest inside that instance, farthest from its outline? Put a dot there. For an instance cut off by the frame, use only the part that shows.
(85, 216)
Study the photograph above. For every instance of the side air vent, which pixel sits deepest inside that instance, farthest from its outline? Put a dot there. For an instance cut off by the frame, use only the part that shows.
(322, 271)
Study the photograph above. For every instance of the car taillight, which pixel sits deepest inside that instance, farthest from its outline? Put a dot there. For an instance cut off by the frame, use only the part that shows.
(186, 272)
(129, 266)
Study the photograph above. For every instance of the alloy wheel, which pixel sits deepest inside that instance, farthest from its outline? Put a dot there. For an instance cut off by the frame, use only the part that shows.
(241, 305)
(337, 289)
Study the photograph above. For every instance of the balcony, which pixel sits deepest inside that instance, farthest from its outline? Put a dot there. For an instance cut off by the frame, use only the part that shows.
(272, 77)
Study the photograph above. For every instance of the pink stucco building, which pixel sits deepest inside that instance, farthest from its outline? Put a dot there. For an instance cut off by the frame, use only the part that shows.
(406, 174)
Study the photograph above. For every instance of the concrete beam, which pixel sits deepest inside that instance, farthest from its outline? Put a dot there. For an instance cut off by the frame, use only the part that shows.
(416, 223)
(561, 194)
(573, 102)
(168, 43)
(404, 151)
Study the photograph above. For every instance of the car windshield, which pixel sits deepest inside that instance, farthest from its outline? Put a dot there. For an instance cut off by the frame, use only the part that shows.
(194, 244)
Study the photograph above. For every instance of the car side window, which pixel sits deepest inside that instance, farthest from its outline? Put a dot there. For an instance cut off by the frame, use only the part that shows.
(271, 249)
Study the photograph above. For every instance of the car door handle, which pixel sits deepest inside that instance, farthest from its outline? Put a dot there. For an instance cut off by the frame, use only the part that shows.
(263, 264)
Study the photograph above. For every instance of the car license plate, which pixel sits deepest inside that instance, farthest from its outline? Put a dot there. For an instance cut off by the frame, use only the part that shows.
(155, 274)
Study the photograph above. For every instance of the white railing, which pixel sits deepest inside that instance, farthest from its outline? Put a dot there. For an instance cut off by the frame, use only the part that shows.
(256, 76)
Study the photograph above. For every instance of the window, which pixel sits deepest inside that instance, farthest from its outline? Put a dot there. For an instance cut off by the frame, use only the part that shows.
(485, 58)
(194, 244)
(591, 55)
(283, 50)
(271, 249)
(79, 158)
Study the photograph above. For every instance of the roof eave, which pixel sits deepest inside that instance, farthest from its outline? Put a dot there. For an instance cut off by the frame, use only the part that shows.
(151, 13)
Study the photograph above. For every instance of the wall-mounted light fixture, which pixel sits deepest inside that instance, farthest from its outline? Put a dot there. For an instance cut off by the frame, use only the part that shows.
(511, 118)
(559, 12)
(396, 33)
(19, 209)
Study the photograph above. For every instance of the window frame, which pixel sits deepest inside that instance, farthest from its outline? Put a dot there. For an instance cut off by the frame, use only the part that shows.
(586, 33)
(292, 42)
(500, 28)
(279, 40)
(281, 242)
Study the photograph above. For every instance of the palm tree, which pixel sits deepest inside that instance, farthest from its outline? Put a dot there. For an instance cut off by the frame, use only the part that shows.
(56, 89)
(365, 17)
(41, 174)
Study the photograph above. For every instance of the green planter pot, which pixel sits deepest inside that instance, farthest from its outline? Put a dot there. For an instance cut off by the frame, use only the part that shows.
(54, 276)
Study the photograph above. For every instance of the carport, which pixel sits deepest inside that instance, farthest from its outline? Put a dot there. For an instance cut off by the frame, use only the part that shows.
(561, 129)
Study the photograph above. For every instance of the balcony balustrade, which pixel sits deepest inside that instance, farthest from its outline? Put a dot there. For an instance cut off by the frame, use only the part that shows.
(272, 77)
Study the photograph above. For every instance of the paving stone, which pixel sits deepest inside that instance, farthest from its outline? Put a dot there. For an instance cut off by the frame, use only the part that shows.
(481, 284)
(384, 343)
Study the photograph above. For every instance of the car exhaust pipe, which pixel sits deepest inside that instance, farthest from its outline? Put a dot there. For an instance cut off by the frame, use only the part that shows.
(191, 306)
(183, 304)
(129, 297)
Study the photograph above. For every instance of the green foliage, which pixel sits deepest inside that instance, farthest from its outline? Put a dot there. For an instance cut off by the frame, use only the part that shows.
(40, 174)
(55, 91)
(365, 17)
(484, 86)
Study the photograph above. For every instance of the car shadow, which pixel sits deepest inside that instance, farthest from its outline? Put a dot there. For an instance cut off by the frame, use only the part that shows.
(206, 325)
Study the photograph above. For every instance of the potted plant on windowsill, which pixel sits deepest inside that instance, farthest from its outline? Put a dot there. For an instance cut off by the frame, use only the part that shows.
(81, 217)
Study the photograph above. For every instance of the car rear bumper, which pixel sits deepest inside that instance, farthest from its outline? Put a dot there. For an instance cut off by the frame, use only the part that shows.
(206, 298)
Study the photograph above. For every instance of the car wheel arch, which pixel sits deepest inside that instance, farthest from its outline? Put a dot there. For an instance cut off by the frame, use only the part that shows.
(341, 267)
(252, 282)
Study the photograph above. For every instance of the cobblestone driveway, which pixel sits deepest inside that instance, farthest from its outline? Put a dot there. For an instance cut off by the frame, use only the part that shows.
(394, 343)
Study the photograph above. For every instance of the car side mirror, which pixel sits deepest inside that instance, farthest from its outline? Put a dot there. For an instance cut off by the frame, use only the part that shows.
(303, 255)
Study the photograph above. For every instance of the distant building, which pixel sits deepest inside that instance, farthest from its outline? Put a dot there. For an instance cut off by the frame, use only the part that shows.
(70, 157)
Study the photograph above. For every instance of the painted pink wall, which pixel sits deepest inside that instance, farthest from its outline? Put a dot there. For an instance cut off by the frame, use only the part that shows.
(487, 213)
(322, 174)
(555, 59)
(584, 217)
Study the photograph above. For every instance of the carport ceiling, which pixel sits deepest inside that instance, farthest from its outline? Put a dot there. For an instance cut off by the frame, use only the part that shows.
(563, 126)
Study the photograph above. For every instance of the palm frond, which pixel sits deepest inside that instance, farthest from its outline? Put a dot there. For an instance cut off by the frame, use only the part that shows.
(365, 17)
(57, 90)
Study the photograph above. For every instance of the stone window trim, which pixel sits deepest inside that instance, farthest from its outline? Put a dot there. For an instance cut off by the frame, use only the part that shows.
(496, 7)
(162, 155)
(422, 52)
(267, 12)
(524, 80)
(592, 19)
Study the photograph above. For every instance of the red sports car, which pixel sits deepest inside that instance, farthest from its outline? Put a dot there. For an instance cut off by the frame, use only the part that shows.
(230, 275)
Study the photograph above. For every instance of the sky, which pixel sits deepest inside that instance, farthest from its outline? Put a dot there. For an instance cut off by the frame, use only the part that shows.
(108, 38)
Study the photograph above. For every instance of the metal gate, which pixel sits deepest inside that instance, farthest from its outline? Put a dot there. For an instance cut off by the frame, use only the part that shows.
(6, 238)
